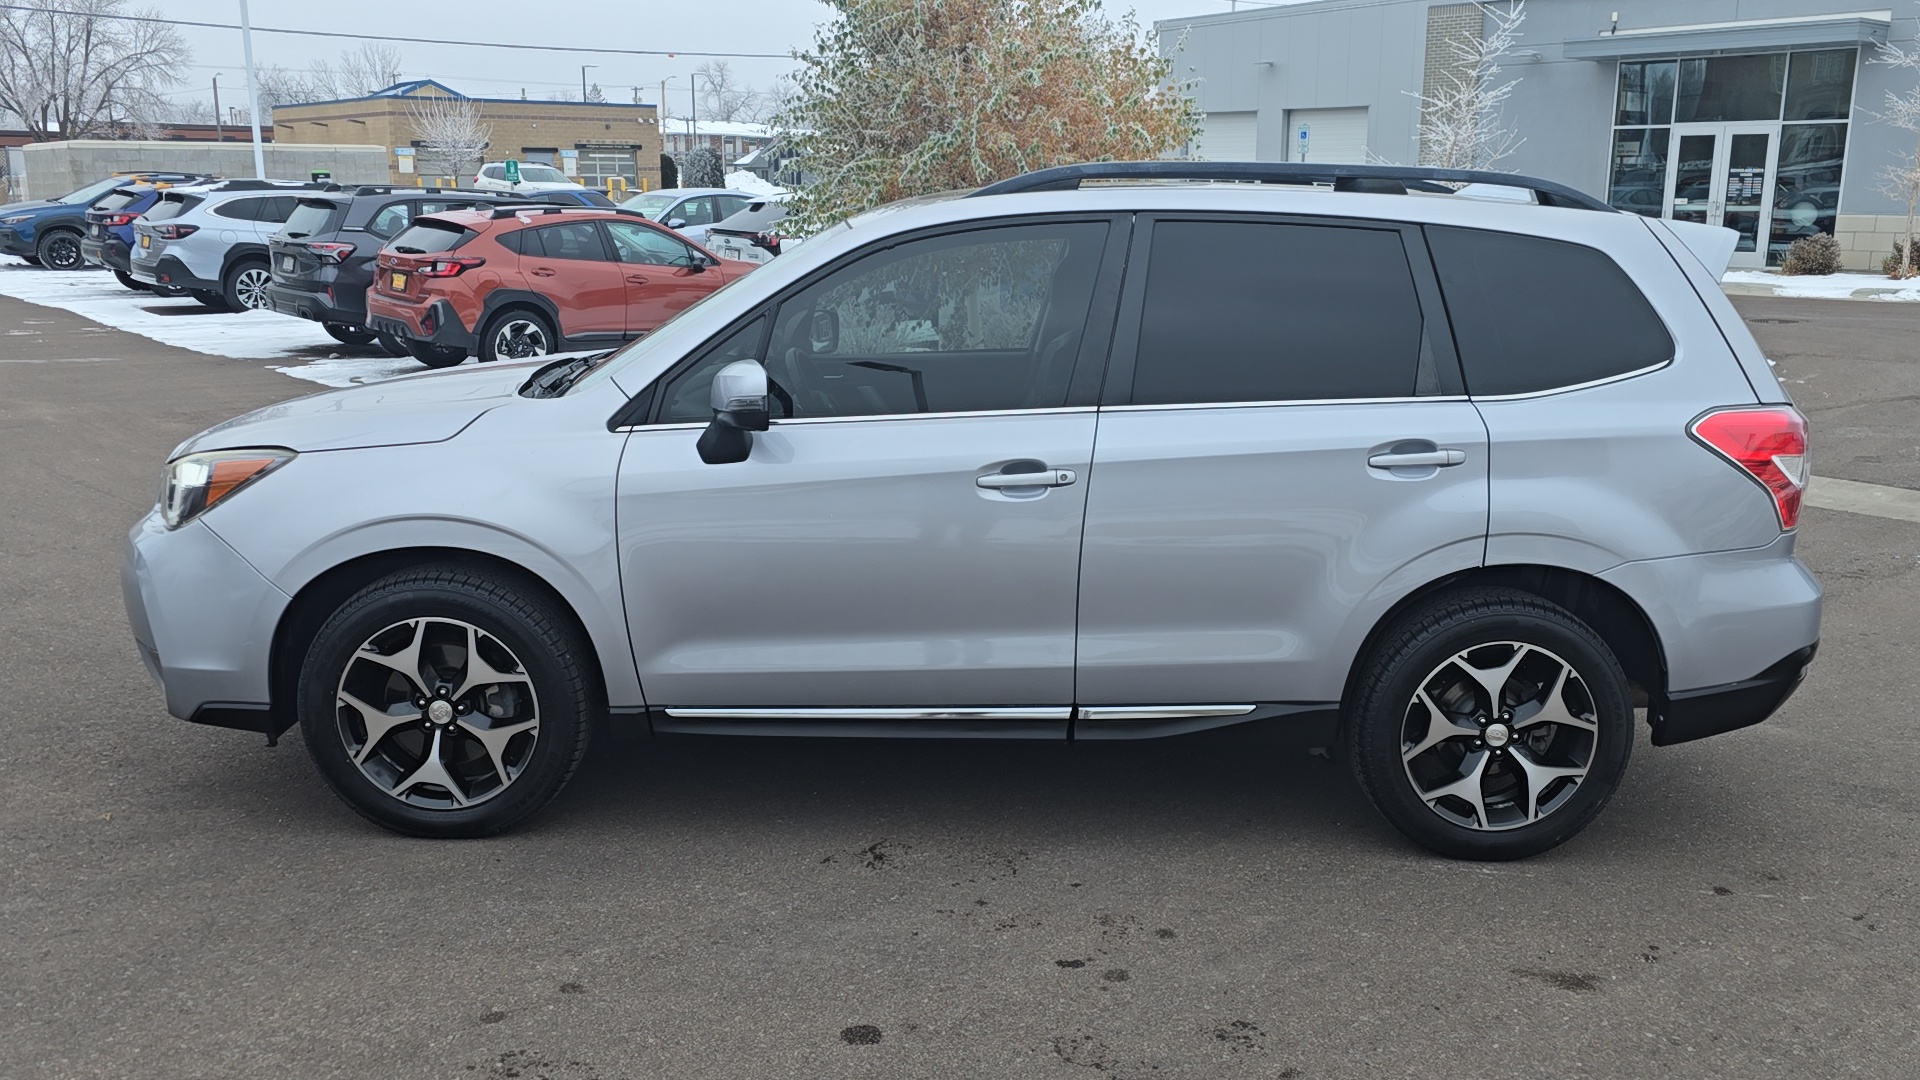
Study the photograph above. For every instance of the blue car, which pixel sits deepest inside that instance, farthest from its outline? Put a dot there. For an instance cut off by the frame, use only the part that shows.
(109, 238)
(48, 232)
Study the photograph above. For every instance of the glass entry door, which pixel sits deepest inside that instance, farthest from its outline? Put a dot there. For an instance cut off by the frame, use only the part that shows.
(1721, 175)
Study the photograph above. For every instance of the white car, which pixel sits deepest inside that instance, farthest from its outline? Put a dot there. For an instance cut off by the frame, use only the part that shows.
(690, 211)
(533, 177)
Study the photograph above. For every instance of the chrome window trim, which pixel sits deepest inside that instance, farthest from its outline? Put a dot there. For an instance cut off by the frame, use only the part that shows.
(692, 425)
(1622, 377)
(1292, 402)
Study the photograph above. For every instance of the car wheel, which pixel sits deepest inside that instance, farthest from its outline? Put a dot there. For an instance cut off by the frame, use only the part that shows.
(393, 346)
(348, 335)
(442, 703)
(210, 298)
(60, 250)
(131, 282)
(1490, 725)
(516, 335)
(434, 355)
(246, 285)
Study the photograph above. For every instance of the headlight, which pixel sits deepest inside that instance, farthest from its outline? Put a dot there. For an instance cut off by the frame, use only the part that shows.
(15, 219)
(195, 482)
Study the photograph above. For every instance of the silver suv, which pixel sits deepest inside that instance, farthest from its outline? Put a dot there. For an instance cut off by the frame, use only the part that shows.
(1346, 457)
(211, 240)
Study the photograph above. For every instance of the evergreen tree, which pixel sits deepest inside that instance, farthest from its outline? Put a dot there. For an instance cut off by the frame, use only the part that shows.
(909, 97)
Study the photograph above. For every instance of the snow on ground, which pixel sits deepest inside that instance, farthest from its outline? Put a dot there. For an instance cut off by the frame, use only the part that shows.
(1829, 286)
(304, 350)
(742, 180)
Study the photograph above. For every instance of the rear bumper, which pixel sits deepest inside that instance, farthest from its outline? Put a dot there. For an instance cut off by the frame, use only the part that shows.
(435, 323)
(312, 304)
(168, 270)
(111, 253)
(1698, 714)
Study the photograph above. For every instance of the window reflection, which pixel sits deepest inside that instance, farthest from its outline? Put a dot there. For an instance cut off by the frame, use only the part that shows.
(1806, 184)
(1639, 180)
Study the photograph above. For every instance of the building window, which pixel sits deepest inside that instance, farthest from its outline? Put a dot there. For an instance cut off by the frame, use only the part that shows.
(600, 166)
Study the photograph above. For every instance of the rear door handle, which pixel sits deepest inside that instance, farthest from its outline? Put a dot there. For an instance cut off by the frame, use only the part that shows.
(542, 271)
(1422, 459)
(1046, 478)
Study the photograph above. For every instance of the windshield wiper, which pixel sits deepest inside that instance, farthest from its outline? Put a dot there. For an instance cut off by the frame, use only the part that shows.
(554, 379)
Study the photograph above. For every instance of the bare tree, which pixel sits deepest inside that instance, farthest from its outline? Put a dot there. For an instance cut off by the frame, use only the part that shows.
(453, 138)
(1901, 179)
(722, 95)
(72, 68)
(1460, 115)
(763, 105)
(362, 71)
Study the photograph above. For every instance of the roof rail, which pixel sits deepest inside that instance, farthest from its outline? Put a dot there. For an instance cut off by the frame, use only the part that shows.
(1379, 179)
(507, 210)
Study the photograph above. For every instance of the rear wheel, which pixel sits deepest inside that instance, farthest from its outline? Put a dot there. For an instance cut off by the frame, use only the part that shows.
(60, 250)
(246, 285)
(438, 702)
(393, 346)
(1491, 725)
(131, 282)
(435, 355)
(210, 298)
(516, 335)
(348, 335)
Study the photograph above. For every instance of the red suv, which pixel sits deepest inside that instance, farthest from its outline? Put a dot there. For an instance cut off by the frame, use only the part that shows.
(518, 281)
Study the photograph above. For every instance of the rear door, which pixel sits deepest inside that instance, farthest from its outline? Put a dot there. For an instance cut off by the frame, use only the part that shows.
(664, 276)
(569, 264)
(1285, 449)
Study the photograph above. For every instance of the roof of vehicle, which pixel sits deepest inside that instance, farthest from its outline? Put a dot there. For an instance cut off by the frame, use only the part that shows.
(246, 186)
(527, 210)
(682, 192)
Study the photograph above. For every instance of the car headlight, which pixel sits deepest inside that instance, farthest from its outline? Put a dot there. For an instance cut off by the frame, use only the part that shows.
(197, 481)
(15, 219)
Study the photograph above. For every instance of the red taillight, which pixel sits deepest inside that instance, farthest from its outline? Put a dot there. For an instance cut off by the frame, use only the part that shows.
(119, 219)
(768, 242)
(175, 232)
(329, 251)
(450, 267)
(1770, 443)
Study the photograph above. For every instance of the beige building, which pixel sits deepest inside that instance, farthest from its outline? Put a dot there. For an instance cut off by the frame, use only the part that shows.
(600, 144)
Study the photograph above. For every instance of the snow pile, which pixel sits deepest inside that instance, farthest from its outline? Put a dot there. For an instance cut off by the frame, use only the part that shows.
(1829, 286)
(751, 184)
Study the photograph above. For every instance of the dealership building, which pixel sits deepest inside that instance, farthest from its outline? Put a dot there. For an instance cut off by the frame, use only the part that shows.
(1752, 114)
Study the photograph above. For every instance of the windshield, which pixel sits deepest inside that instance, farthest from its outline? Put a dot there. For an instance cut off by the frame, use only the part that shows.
(92, 191)
(652, 204)
(543, 174)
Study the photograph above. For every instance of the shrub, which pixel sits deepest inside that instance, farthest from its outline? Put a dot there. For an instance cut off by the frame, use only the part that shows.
(701, 167)
(1816, 254)
(1890, 266)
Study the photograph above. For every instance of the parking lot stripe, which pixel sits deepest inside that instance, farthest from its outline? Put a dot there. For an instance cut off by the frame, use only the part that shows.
(1853, 497)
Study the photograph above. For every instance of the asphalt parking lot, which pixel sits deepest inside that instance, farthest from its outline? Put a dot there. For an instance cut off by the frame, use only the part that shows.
(181, 901)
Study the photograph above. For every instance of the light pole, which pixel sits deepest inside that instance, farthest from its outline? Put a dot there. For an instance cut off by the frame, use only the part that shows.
(583, 80)
(219, 135)
(663, 110)
(253, 98)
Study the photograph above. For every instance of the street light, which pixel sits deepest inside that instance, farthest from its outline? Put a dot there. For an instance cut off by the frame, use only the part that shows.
(583, 79)
(253, 98)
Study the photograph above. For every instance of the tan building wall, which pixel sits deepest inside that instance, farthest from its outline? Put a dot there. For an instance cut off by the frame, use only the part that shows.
(600, 135)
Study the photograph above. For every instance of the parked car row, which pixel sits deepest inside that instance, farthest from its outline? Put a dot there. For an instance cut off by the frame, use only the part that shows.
(49, 232)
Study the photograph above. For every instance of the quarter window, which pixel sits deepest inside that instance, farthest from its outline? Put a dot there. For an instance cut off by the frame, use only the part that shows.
(1238, 311)
(1530, 314)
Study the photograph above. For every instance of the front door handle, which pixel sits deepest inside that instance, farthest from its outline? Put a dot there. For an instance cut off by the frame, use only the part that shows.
(1044, 478)
(636, 279)
(1424, 459)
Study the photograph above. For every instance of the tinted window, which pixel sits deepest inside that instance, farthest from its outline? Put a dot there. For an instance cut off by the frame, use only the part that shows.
(696, 211)
(990, 319)
(494, 172)
(276, 210)
(1248, 312)
(172, 206)
(115, 200)
(428, 237)
(689, 391)
(240, 209)
(640, 244)
(542, 174)
(391, 219)
(310, 217)
(575, 240)
(1531, 314)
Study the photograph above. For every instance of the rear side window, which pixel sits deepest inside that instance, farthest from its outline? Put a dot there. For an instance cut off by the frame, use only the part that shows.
(241, 209)
(1239, 311)
(277, 210)
(311, 217)
(1531, 314)
(429, 237)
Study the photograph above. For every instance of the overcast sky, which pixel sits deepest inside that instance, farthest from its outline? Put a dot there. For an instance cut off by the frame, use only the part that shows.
(751, 26)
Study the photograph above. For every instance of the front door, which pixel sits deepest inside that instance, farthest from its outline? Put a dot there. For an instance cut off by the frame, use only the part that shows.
(568, 263)
(906, 536)
(664, 276)
(1721, 176)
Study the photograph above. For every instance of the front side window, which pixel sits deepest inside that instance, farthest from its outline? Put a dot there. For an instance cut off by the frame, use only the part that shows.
(1530, 314)
(1240, 312)
(689, 393)
(640, 244)
(698, 211)
(652, 204)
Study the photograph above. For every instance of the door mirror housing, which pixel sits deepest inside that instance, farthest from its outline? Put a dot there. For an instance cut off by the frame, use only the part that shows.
(677, 223)
(739, 399)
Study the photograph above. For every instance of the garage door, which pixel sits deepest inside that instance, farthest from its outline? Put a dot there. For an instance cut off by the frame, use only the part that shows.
(1334, 136)
(1227, 136)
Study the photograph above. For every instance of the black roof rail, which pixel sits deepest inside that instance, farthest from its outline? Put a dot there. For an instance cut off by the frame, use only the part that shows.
(507, 210)
(1381, 179)
(273, 185)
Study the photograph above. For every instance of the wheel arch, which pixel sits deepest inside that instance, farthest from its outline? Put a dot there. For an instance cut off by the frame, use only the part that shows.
(245, 252)
(500, 300)
(319, 598)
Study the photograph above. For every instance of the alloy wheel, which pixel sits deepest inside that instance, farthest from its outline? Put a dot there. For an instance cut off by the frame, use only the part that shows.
(62, 252)
(437, 713)
(250, 288)
(1499, 736)
(518, 339)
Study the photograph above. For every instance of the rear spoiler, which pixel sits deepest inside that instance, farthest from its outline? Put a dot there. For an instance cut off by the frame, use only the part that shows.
(1711, 244)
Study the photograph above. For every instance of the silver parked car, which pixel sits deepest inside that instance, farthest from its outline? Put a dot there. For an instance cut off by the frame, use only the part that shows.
(1453, 484)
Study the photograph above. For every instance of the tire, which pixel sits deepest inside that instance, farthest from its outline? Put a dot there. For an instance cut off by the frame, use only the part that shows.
(60, 250)
(1538, 780)
(393, 346)
(348, 335)
(436, 771)
(32, 260)
(434, 356)
(209, 298)
(517, 334)
(131, 282)
(245, 286)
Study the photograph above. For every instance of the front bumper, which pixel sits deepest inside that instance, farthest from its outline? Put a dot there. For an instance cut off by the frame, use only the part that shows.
(203, 619)
(13, 242)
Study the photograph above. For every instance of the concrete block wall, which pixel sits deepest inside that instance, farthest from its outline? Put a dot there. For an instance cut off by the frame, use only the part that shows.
(55, 168)
(1867, 239)
(1449, 28)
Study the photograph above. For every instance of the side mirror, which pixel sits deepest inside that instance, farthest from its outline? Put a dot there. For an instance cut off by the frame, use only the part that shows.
(823, 332)
(677, 223)
(739, 400)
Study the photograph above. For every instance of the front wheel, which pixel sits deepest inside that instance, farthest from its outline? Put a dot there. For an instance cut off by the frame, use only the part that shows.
(246, 285)
(516, 335)
(60, 250)
(131, 282)
(1490, 725)
(442, 703)
(435, 356)
(348, 335)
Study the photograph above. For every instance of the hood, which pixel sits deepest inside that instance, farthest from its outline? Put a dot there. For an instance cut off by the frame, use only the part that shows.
(429, 407)
(31, 204)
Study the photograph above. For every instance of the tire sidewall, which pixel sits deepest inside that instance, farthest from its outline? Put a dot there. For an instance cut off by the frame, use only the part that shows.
(487, 353)
(558, 686)
(66, 238)
(1384, 705)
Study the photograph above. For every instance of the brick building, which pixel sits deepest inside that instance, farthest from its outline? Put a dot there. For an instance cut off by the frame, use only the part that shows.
(597, 143)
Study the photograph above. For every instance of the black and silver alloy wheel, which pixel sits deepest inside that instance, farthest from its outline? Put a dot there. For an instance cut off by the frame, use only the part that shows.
(438, 714)
(447, 702)
(247, 289)
(519, 338)
(1490, 724)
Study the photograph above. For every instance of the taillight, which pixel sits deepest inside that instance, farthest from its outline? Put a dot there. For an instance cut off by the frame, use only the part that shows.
(330, 251)
(119, 219)
(450, 267)
(1769, 444)
(174, 232)
(768, 241)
